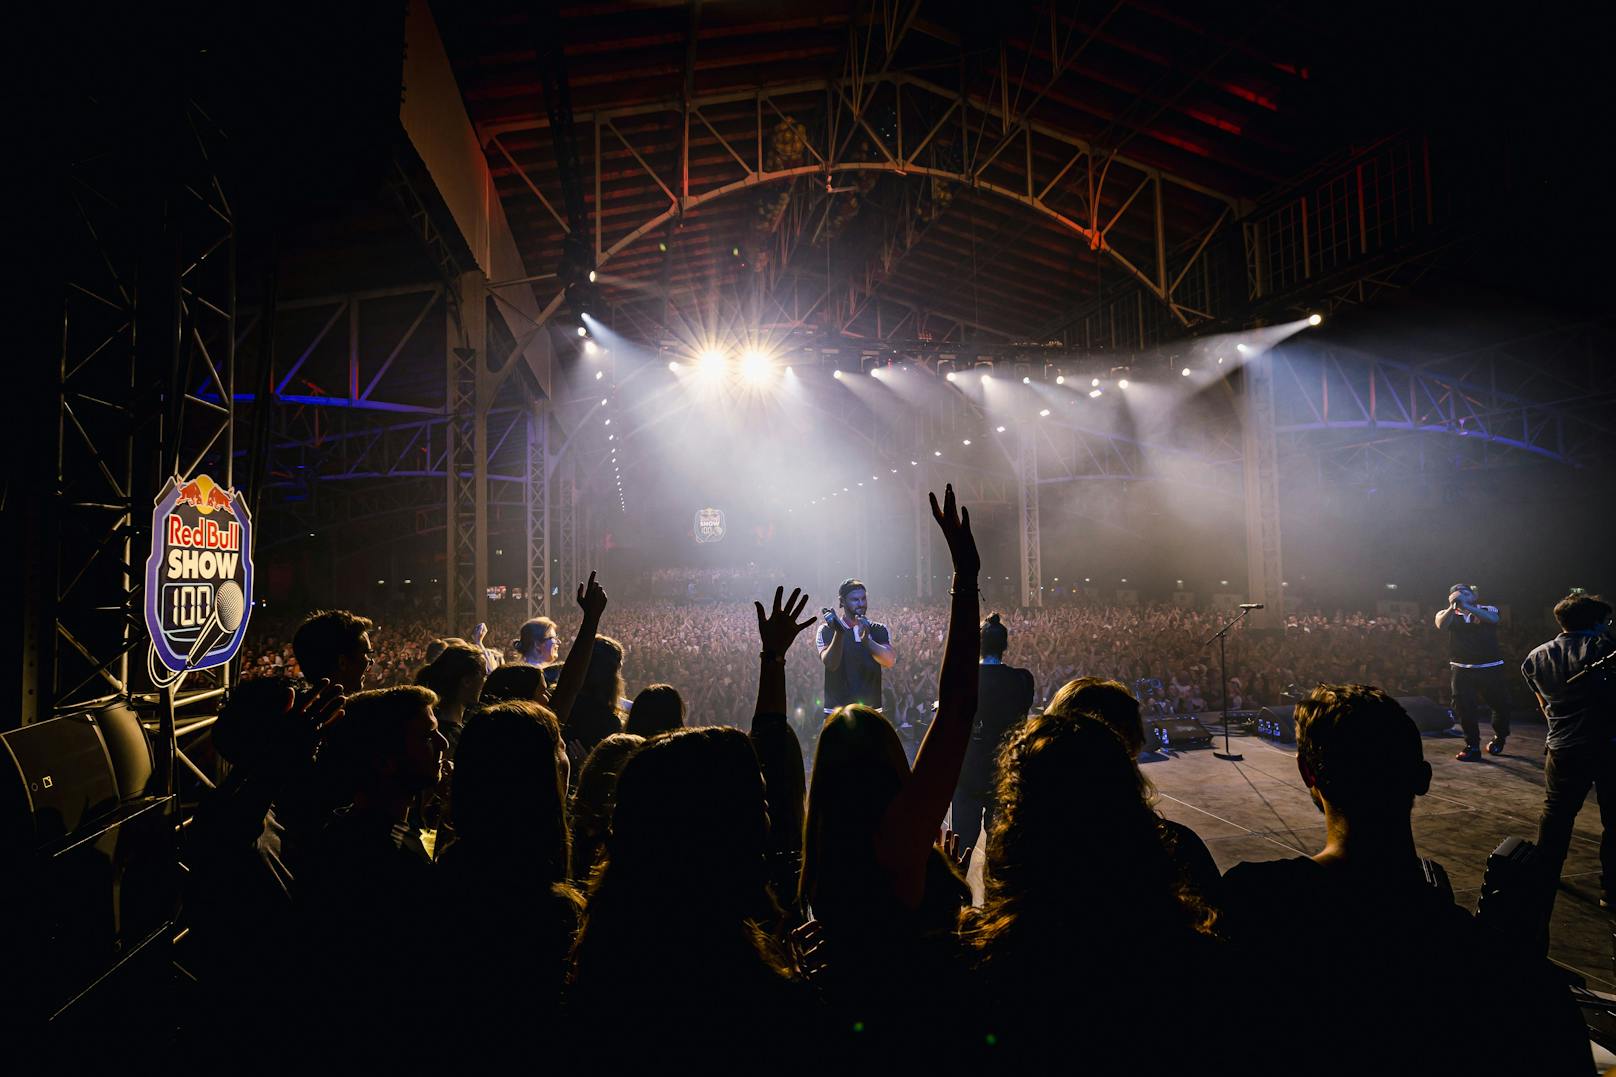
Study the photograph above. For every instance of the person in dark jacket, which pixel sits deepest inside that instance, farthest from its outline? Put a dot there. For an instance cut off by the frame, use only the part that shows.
(1004, 696)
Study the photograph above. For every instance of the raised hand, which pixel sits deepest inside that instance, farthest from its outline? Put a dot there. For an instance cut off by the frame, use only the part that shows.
(319, 709)
(781, 628)
(956, 528)
(592, 597)
(949, 843)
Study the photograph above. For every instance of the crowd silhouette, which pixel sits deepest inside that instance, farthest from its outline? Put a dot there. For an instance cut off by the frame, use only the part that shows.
(469, 866)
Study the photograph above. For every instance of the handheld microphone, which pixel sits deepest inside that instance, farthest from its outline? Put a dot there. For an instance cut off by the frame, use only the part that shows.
(830, 614)
(1251, 605)
(228, 606)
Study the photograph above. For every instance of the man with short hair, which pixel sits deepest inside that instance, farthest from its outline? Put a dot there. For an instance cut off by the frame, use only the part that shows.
(334, 645)
(1477, 668)
(854, 650)
(1581, 746)
(1372, 929)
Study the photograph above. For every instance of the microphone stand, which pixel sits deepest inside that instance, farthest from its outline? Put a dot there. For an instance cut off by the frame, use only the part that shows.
(1222, 636)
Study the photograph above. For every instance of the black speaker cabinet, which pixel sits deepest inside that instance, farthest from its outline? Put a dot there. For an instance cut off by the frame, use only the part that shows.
(55, 776)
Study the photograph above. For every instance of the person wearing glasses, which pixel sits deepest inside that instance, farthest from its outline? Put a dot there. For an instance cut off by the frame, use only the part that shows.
(537, 645)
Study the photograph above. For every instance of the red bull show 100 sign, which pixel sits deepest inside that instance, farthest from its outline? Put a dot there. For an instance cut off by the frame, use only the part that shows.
(199, 574)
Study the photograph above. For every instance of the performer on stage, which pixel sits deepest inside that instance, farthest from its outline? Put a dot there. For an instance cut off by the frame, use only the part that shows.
(1582, 722)
(1477, 667)
(855, 650)
(1004, 696)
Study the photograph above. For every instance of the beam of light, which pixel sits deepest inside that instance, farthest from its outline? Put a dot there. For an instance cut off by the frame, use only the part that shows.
(756, 368)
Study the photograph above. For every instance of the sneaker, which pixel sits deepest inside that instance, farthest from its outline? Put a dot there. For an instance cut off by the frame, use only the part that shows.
(1471, 754)
(1495, 746)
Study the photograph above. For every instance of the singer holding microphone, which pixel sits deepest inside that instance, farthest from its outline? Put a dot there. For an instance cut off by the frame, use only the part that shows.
(854, 650)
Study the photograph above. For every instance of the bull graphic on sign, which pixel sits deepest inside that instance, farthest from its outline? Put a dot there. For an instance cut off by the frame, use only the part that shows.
(199, 574)
(709, 525)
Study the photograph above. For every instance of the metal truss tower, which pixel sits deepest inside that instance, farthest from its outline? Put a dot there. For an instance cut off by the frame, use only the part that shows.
(144, 388)
(466, 562)
(537, 505)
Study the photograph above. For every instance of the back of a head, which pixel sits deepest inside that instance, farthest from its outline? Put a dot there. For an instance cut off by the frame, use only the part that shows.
(514, 682)
(507, 787)
(657, 709)
(995, 637)
(324, 637)
(369, 735)
(253, 721)
(702, 782)
(603, 684)
(596, 796)
(1109, 701)
(1581, 612)
(449, 670)
(859, 766)
(1361, 748)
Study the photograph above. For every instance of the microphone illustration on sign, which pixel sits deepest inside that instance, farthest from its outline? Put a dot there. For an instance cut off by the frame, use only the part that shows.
(228, 606)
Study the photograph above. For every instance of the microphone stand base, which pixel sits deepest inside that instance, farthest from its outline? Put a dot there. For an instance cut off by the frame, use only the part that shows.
(1233, 757)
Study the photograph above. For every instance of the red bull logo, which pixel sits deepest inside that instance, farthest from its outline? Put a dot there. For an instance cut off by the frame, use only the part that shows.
(199, 574)
(205, 496)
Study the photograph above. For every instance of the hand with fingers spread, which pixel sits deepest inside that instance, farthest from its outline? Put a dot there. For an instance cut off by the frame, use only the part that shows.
(956, 528)
(591, 598)
(318, 710)
(781, 628)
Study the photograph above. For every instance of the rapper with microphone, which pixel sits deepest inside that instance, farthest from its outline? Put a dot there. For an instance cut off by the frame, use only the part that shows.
(854, 650)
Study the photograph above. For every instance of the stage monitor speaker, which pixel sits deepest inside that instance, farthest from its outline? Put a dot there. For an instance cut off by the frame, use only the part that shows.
(1178, 732)
(129, 748)
(55, 776)
(1277, 723)
(1429, 715)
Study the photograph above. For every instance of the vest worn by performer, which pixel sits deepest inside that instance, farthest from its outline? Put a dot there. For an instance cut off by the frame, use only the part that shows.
(1473, 643)
(857, 677)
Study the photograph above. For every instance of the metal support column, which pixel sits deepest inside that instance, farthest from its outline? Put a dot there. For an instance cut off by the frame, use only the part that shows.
(1263, 566)
(466, 562)
(1032, 573)
(565, 514)
(923, 525)
(537, 504)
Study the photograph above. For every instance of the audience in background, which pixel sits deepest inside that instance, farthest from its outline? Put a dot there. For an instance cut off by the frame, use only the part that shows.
(696, 903)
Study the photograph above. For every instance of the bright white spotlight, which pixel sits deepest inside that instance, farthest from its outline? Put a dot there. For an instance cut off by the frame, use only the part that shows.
(1184, 373)
(599, 374)
(1094, 382)
(837, 374)
(755, 367)
(790, 373)
(603, 402)
(967, 441)
(951, 376)
(590, 347)
(1315, 319)
(607, 423)
(582, 331)
(591, 276)
(1220, 360)
(1060, 379)
(1000, 429)
(673, 366)
(1122, 384)
(1025, 380)
(1043, 413)
(710, 361)
(1241, 348)
(986, 378)
(1094, 393)
(914, 463)
(937, 452)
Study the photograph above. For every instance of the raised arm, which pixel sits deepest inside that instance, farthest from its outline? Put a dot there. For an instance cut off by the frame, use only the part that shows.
(592, 599)
(912, 820)
(831, 653)
(778, 751)
(1444, 616)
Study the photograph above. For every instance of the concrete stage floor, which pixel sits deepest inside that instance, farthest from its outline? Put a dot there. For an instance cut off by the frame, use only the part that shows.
(1258, 809)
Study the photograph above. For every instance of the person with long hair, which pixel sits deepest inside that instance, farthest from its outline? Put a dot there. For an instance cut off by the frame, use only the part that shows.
(871, 872)
(456, 677)
(597, 713)
(1112, 703)
(674, 935)
(510, 914)
(1085, 911)
(593, 802)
